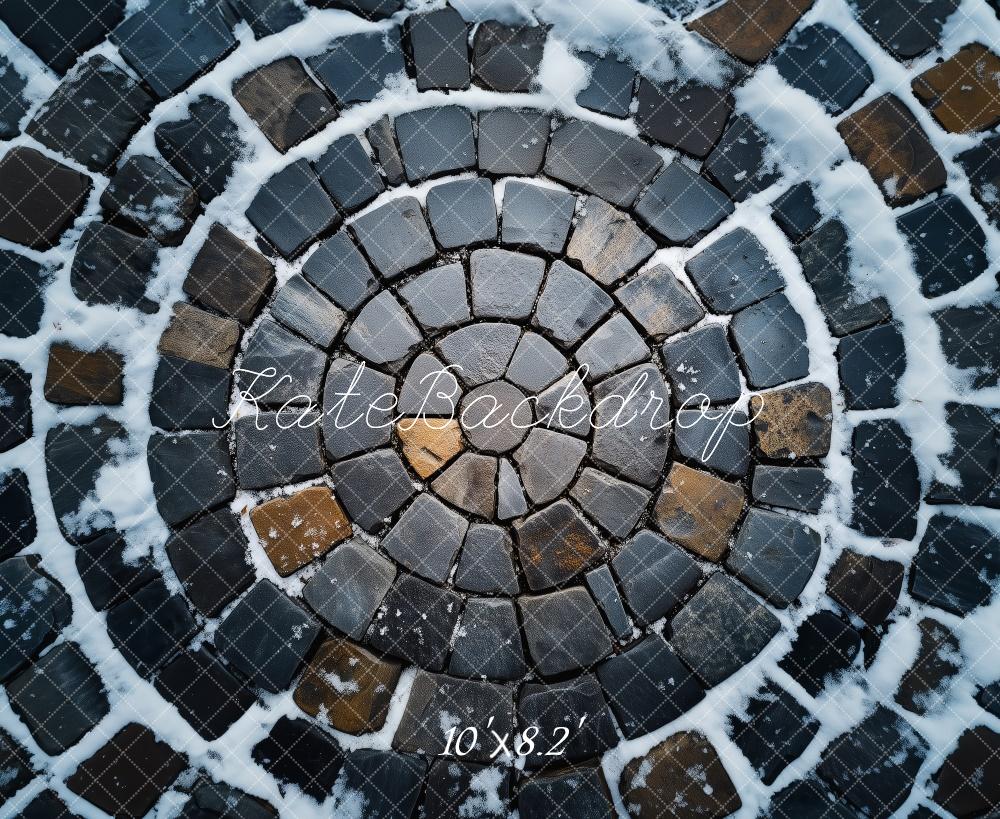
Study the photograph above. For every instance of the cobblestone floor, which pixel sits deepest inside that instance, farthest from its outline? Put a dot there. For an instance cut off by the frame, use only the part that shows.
(767, 621)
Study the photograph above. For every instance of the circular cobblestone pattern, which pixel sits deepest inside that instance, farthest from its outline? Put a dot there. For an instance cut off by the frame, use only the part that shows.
(605, 425)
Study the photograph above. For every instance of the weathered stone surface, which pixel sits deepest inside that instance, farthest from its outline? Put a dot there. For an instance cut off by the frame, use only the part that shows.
(113, 267)
(795, 211)
(348, 173)
(566, 406)
(794, 422)
(395, 236)
(302, 754)
(698, 510)
(21, 301)
(688, 116)
(702, 364)
(16, 765)
(886, 138)
(198, 335)
(383, 332)
(128, 774)
(495, 417)
(982, 167)
(956, 564)
(41, 197)
(415, 623)
(46, 805)
(382, 137)
(824, 648)
(854, 763)
(564, 630)
(905, 28)
(683, 777)
(615, 505)
(734, 272)
(774, 555)
(801, 488)
(576, 702)
(504, 283)
(78, 377)
(437, 297)
(865, 586)
(462, 213)
(436, 141)
(302, 308)
(149, 626)
(604, 590)
(610, 85)
(510, 494)
(809, 798)
(429, 444)
(106, 576)
(488, 642)
(719, 441)
(297, 529)
(535, 363)
(547, 463)
(291, 210)
(570, 304)
(507, 58)
(439, 47)
(190, 473)
(607, 243)
(773, 731)
(426, 538)
(208, 697)
(770, 338)
(886, 484)
(871, 363)
(453, 786)
(168, 45)
(925, 686)
(659, 302)
(535, 216)
(216, 798)
(208, 130)
(389, 783)
(146, 196)
(430, 388)
(286, 450)
(372, 487)
(947, 242)
(347, 687)
(297, 368)
(436, 700)
(349, 586)
(821, 62)
(729, 26)
(611, 347)
(741, 163)
(974, 457)
(655, 575)
(967, 781)
(266, 636)
(357, 417)
(36, 609)
(357, 67)
(555, 544)
(681, 206)
(486, 565)
(18, 526)
(480, 352)
(59, 698)
(575, 793)
(512, 142)
(599, 161)
(229, 276)
(721, 629)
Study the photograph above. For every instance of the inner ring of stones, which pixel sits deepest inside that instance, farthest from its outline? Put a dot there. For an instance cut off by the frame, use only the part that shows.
(495, 417)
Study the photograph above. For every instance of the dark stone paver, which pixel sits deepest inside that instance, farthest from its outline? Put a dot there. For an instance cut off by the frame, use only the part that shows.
(452, 784)
(268, 17)
(577, 702)
(535, 363)
(208, 130)
(681, 206)
(734, 271)
(688, 116)
(215, 798)
(602, 586)
(982, 167)
(969, 339)
(470, 484)
(865, 586)
(770, 338)
(955, 566)
(92, 114)
(462, 213)
(229, 276)
(426, 538)
(372, 487)
(147, 196)
(437, 297)
(774, 555)
(495, 418)
(389, 783)
(41, 197)
(36, 608)
(535, 216)
(15, 410)
(150, 625)
(821, 62)
(721, 443)
(46, 805)
(925, 686)
(208, 697)
(106, 576)
(512, 142)
(966, 784)
(547, 463)
(286, 450)
(436, 141)
(383, 332)
(348, 173)
(795, 211)
(611, 347)
(381, 136)
(615, 505)
(18, 526)
(741, 162)
(300, 753)
(566, 406)
(824, 648)
(357, 67)
(510, 494)
(113, 267)
(59, 698)
(655, 575)
(271, 345)
(507, 58)
(721, 629)
(480, 352)
(504, 283)
(904, 28)
(354, 420)
(809, 798)
(13, 104)
(190, 473)
(486, 565)
(871, 363)
(338, 269)
(570, 304)
(369, 9)
(430, 387)
(555, 544)
(415, 623)
(576, 793)
(16, 765)
(564, 630)
(488, 642)
(699, 511)
(974, 457)
(855, 763)
(610, 85)
(302, 308)
(291, 209)
(886, 484)
(607, 244)
(349, 586)
(793, 422)
(439, 47)
(21, 301)
(395, 236)
(801, 488)
(659, 302)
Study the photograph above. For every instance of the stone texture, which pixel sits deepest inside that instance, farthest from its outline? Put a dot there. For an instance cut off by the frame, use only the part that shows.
(383, 332)
(15, 764)
(966, 784)
(905, 28)
(734, 272)
(395, 236)
(415, 623)
(79, 378)
(347, 687)
(389, 783)
(426, 538)
(564, 630)
(688, 116)
(439, 47)
(823, 649)
(607, 243)
(436, 141)
(36, 608)
(659, 302)
(41, 197)
(430, 388)
(570, 304)
(576, 793)
(462, 213)
(292, 210)
(702, 364)
(216, 798)
(611, 347)
(21, 301)
(349, 586)
(495, 417)
(429, 444)
(615, 505)
(566, 406)
(609, 86)
(605, 592)
(555, 545)
(297, 367)
(486, 565)
(190, 473)
(721, 629)
(357, 67)
(871, 363)
(266, 636)
(886, 138)
(113, 267)
(925, 687)
(770, 338)
(59, 698)
(982, 167)
(681, 206)
(794, 422)
(146, 196)
(357, 416)
(683, 777)
(655, 575)
(821, 62)
(302, 308)
(382, 137)
(854, 763)
(956, 564)
(698, 510)
(742, 163)
(208, 697)
(127, 775)
(507, 58)
(535, 363)
(974, 457)
(504, 283)
(886, 484)
(286, 450)
(606, 163)
(488, 642)
(865, 586)
(372, 487)
(720, 441)
(106, 576)
(437, 297)
(510, 494)
(198, 335)
(547, 463)
(150, 625)
(46, 805)
(297, 529)
(18, 525)
(348, 173)
(452, 784)
(300, 753)
(809, 798)
(512, 142)
(729, 26)
(229, 276)
(480, 352)
(795, 211)
(536, 217)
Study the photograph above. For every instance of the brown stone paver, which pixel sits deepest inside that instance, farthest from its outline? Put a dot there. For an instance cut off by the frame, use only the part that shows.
(429, 443)
(698, 510)
(297, 529)
(963, 92)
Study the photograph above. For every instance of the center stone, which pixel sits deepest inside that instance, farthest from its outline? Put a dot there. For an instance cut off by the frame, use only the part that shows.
(495, 417)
